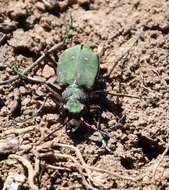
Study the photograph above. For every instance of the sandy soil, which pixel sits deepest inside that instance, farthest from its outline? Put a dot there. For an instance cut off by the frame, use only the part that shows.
(136, 156)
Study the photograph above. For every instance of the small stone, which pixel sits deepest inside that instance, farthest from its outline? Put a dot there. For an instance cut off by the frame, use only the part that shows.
(17, 10)
(4, 111)
(50, 4)
(48, 71)
(40, 6)
(63, 5)
(51, 118)
(26, 147)
(22, 90)
(13, 181)
(149, 187)
(9, 145)
(146, 179)
(26, 136)
(83, 2)
(26, 101)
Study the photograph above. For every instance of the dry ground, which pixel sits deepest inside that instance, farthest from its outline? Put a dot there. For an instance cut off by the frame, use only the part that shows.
(138, 128)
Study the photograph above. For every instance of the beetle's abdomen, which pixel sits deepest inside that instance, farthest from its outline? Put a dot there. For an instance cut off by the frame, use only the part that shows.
(79, 65)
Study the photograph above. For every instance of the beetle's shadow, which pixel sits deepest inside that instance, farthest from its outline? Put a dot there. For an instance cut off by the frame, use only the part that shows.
(101, 101)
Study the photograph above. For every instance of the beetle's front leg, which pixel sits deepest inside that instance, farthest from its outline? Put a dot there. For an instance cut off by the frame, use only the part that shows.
(95, 109)
(44, 108)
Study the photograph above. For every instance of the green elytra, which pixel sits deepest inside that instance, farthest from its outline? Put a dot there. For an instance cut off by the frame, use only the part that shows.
(77, 68)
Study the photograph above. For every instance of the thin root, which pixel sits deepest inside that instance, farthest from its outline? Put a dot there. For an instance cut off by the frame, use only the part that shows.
(19, 131)
(157, 164)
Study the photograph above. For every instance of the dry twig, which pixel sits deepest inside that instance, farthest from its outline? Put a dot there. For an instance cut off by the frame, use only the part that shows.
(85, 166)
(2, 38)
(28, 69)
(157, 164)
(79, 155)
(79, 168)
(31, 171)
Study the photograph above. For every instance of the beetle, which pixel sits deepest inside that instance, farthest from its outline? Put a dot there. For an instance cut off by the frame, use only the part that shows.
(78, 67)
(77, 70)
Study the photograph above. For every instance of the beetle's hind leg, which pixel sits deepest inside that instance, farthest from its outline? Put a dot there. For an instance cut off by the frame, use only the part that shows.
(101, 135)
(53, 88)
(34, 64)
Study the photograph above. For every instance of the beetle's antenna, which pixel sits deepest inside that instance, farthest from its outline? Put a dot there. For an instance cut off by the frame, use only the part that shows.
(45, 54)
(34, 64)
(101, 133)
(60, 126)
(118, 94)
(81, 47)
(51, 86)
(68, 28)
(135, 42)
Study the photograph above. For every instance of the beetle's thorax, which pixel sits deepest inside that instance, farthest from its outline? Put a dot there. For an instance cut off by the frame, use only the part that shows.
(72, 97)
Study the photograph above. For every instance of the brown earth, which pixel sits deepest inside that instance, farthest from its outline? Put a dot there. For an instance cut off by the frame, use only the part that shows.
(136, 156)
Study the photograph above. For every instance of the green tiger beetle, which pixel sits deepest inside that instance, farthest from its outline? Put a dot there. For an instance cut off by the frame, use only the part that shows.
(77, 70)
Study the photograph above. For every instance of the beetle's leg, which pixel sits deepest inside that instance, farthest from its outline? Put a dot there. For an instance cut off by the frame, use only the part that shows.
(53, 88)
(58, 104)
(98, 110)
(94, 93)
(2, 38)
(55, 96)
(58, 128)
(39, 110)
(97, 128)
(125, 53)
(45, 54)
(117, 94)
(28, 69)
(101, 134)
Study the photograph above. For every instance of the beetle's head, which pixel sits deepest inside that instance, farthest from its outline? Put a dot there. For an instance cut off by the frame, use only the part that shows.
(74, 106)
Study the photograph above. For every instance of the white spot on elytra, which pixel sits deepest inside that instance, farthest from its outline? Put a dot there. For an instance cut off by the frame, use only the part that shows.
(73, 57)
(86, 59)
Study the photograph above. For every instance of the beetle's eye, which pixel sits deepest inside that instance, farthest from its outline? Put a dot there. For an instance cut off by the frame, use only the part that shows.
(81, 106)
(65, 107)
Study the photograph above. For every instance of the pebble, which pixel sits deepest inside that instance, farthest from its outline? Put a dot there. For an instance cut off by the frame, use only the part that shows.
(26, 147)
(22, 90)
(17, 10)
(83, 2)
(26, 101)
(48, 71)
(40, 6)
(50, 4)
(9, 145)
